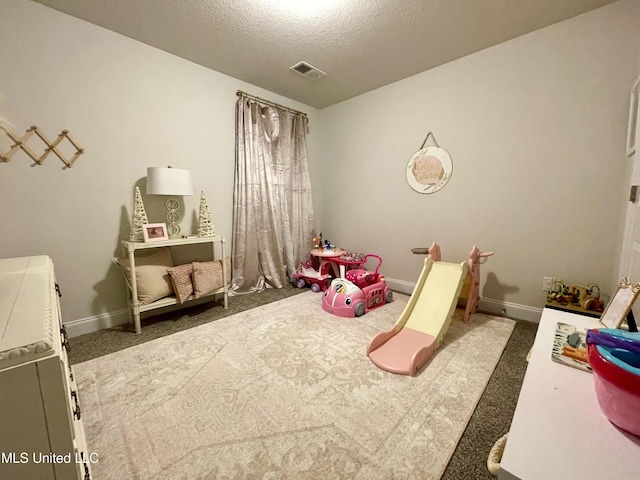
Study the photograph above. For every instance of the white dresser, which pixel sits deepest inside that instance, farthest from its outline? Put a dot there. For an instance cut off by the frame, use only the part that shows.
(41, 433)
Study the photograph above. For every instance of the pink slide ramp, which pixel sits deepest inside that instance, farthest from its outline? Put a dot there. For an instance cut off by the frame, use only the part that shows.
(424, 322)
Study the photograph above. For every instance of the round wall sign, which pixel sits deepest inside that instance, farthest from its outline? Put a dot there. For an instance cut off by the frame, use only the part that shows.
(429, 169)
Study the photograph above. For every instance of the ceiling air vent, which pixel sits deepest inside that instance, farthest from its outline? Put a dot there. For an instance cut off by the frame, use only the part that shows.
(307, 70)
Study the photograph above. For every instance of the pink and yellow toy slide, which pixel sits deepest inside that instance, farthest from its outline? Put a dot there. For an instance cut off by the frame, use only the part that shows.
(424, 321)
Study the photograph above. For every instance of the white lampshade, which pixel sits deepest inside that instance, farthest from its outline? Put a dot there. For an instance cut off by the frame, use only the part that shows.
(169, 181)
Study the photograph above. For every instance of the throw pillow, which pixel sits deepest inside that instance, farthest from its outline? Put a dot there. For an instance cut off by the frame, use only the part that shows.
(152, 279)
(181, 279)
(207, 276)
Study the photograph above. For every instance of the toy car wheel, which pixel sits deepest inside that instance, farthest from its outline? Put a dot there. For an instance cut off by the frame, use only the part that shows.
(388, 298)
(300, 283)
(315, 287)
(358, 310)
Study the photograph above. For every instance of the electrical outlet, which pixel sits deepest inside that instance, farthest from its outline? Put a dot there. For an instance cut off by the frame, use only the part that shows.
(547, 284)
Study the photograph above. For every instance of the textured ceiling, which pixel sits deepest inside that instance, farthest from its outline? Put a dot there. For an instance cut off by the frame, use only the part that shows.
(360, 44)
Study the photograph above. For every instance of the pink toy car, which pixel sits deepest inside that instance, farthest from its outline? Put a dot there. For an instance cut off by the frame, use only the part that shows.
(307, 275)
(362, 277)
(345, 299)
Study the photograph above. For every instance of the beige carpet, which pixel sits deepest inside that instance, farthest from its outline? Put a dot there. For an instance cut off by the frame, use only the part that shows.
(283, 391)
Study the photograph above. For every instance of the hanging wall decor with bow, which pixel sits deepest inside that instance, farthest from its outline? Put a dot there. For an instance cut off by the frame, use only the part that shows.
(430, 168)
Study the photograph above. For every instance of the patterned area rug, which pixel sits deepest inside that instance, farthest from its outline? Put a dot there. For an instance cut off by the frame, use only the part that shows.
(284, 391)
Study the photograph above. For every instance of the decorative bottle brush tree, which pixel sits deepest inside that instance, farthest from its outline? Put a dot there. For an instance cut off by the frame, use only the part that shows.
(205, 227)
(138, 219)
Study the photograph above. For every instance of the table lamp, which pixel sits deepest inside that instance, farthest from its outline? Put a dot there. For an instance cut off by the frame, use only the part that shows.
(174, 182)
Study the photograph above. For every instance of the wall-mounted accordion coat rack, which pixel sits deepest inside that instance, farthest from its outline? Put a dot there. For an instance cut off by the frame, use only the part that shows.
(21, 144)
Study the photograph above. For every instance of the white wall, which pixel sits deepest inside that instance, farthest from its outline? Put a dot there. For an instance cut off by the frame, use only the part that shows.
(536, 128)
(130, 106)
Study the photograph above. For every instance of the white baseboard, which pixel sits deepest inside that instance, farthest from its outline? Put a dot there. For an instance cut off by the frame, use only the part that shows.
(400, 285)
(485, 305)
(81, 326)
(494, 307)
(508, 309)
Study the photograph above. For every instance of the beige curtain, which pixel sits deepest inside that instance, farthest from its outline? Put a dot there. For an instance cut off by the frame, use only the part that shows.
(273, 222)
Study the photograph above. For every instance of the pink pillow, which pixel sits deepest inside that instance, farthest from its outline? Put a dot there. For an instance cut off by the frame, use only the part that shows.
(181, 279)
(207, 276)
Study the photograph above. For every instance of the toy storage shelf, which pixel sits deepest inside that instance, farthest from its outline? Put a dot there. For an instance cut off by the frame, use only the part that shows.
(572, 309)
(129, 248)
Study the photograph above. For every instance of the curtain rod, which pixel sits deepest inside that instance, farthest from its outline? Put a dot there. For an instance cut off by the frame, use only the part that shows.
(240, 93)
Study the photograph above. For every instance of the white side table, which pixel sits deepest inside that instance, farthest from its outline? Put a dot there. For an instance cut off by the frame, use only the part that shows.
(130, 248)
(558, 430)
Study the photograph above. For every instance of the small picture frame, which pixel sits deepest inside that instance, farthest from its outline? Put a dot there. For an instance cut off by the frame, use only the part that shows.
(620, 305)
(632, 127)
(155, 232)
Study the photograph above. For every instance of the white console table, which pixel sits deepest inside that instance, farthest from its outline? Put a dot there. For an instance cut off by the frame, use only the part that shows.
(129, 248)
(558, 430)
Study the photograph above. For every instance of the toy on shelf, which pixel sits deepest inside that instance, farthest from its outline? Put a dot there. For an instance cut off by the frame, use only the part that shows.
(359, 292)
(426, 318)
(577, 296)
(317, 242)
(320, 245)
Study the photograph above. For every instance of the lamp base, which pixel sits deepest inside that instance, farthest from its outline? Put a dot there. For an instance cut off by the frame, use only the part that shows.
(173, 218)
